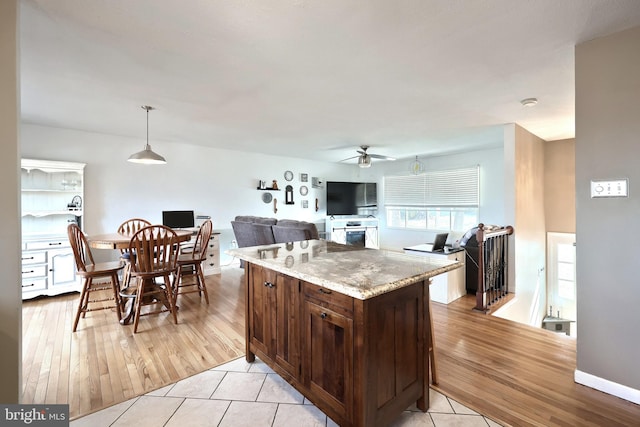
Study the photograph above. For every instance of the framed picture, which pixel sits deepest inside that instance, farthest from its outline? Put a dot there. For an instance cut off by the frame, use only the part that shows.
(305, 204)
(304, 177)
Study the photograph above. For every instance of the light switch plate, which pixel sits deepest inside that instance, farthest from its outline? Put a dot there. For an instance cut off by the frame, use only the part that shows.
(610, 188)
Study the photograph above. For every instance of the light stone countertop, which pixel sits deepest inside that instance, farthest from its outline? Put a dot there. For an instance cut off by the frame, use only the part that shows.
(357, 272)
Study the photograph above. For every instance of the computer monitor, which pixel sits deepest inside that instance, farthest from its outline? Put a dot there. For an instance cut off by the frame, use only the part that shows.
(178, 219)
(439, 241)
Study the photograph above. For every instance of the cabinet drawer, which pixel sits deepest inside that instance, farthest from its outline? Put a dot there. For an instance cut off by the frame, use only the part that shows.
(214, 243)
(47, 244)
(34, 285)
(29, 271)
(33, 258)
(328, 298)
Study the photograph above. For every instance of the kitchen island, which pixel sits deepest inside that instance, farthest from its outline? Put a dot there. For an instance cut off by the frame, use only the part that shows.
(348, 327)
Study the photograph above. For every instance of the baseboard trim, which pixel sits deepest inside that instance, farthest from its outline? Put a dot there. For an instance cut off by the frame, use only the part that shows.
(606, 386)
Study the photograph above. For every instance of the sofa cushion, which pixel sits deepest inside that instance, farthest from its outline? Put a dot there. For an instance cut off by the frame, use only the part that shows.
(284, 234)
(256, 219)
(245, 234)
(263, 234)
(309, 226)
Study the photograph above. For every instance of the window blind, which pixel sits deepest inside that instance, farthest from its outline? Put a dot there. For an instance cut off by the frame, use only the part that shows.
(450, 188)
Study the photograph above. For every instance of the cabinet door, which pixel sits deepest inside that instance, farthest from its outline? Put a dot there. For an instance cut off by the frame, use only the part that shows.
(261, 315)
(328, 357)
(371, 237)
(62, 268)
(339, 235)
(287, 350)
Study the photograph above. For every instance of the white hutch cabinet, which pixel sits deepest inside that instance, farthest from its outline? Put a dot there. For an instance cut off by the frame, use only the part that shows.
(52, 197)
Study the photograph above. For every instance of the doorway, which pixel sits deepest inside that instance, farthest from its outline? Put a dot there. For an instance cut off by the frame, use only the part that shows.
(561, 278)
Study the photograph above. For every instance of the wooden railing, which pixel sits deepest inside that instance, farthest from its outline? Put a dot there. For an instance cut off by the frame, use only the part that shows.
(493, 255)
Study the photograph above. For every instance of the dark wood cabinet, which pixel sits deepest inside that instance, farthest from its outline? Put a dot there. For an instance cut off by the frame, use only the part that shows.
(362, 362)
(327, 364)
(273, 317)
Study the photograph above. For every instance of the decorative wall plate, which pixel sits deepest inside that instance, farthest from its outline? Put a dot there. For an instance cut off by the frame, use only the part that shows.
(304, 190)
(288, 175)
(267, 197)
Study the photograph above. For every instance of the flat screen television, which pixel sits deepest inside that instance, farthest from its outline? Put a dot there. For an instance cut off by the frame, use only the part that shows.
(178, 219)
(350, 198)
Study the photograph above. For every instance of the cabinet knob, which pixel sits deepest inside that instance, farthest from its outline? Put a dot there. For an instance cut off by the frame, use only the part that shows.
(324, 291)
(323, 315)
(268, 284)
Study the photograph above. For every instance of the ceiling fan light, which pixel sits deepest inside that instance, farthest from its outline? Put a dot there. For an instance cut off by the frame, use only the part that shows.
(364, 161)
(147, 156)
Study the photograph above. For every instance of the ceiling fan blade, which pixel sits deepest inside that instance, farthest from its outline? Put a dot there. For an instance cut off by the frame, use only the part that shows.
(379, 156)
(349, 158)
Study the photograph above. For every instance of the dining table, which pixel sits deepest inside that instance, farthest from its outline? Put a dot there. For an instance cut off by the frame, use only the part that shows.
(119, 241)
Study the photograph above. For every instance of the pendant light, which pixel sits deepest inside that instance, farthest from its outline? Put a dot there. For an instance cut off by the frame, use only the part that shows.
(416, 167)
(147, 156)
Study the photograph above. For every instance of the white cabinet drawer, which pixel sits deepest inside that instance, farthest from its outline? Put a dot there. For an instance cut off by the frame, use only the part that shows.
(34, 284)
(33, 258)
(48, 244)
(29, 271)
(212, 259)
(214, 242)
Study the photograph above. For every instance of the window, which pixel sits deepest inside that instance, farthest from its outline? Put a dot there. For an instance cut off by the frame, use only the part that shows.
(436, 200)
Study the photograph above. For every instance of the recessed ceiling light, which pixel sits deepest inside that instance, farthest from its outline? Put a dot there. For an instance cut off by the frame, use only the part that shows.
(529, 102)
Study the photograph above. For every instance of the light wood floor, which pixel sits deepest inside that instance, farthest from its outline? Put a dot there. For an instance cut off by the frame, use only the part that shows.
(104, 363)
(512, 373)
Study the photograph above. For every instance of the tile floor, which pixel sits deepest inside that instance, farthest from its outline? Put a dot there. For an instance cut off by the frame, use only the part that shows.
(239, 394)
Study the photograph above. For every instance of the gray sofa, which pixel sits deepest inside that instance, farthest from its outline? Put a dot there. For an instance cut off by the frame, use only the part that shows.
(256, 230)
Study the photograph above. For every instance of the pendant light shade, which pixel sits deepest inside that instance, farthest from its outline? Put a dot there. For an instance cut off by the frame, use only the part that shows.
(416, 167)
(147, 156)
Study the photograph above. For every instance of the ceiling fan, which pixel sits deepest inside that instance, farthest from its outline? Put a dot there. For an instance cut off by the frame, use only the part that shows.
(364, 159)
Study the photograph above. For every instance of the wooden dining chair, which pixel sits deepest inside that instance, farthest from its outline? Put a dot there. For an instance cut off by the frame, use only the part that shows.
(156, 251)
(89, 270)
(190, 262)
(129, 228)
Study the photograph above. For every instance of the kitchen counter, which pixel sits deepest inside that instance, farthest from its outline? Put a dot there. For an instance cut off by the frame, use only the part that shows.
(348, 327)
(354, 271)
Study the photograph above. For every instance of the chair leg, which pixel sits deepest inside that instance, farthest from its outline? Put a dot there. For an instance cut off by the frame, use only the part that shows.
(202, 285)
(115, 285)
(175, 284)
(138, 303)
(83, 296)
(170, 297)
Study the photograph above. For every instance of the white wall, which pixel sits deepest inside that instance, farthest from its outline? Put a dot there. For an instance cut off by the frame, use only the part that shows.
(10, 301)
(219, 183)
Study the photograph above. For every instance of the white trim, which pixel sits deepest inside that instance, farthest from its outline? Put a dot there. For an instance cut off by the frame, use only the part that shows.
(609, 387)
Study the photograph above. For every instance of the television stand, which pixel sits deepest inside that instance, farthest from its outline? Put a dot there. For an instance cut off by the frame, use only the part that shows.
(359, 231)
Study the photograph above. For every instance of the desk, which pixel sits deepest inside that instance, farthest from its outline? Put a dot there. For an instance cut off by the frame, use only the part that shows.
(449, 286)
(121, 241)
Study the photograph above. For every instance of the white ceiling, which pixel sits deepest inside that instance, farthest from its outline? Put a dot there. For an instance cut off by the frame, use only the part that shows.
(309, 78)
